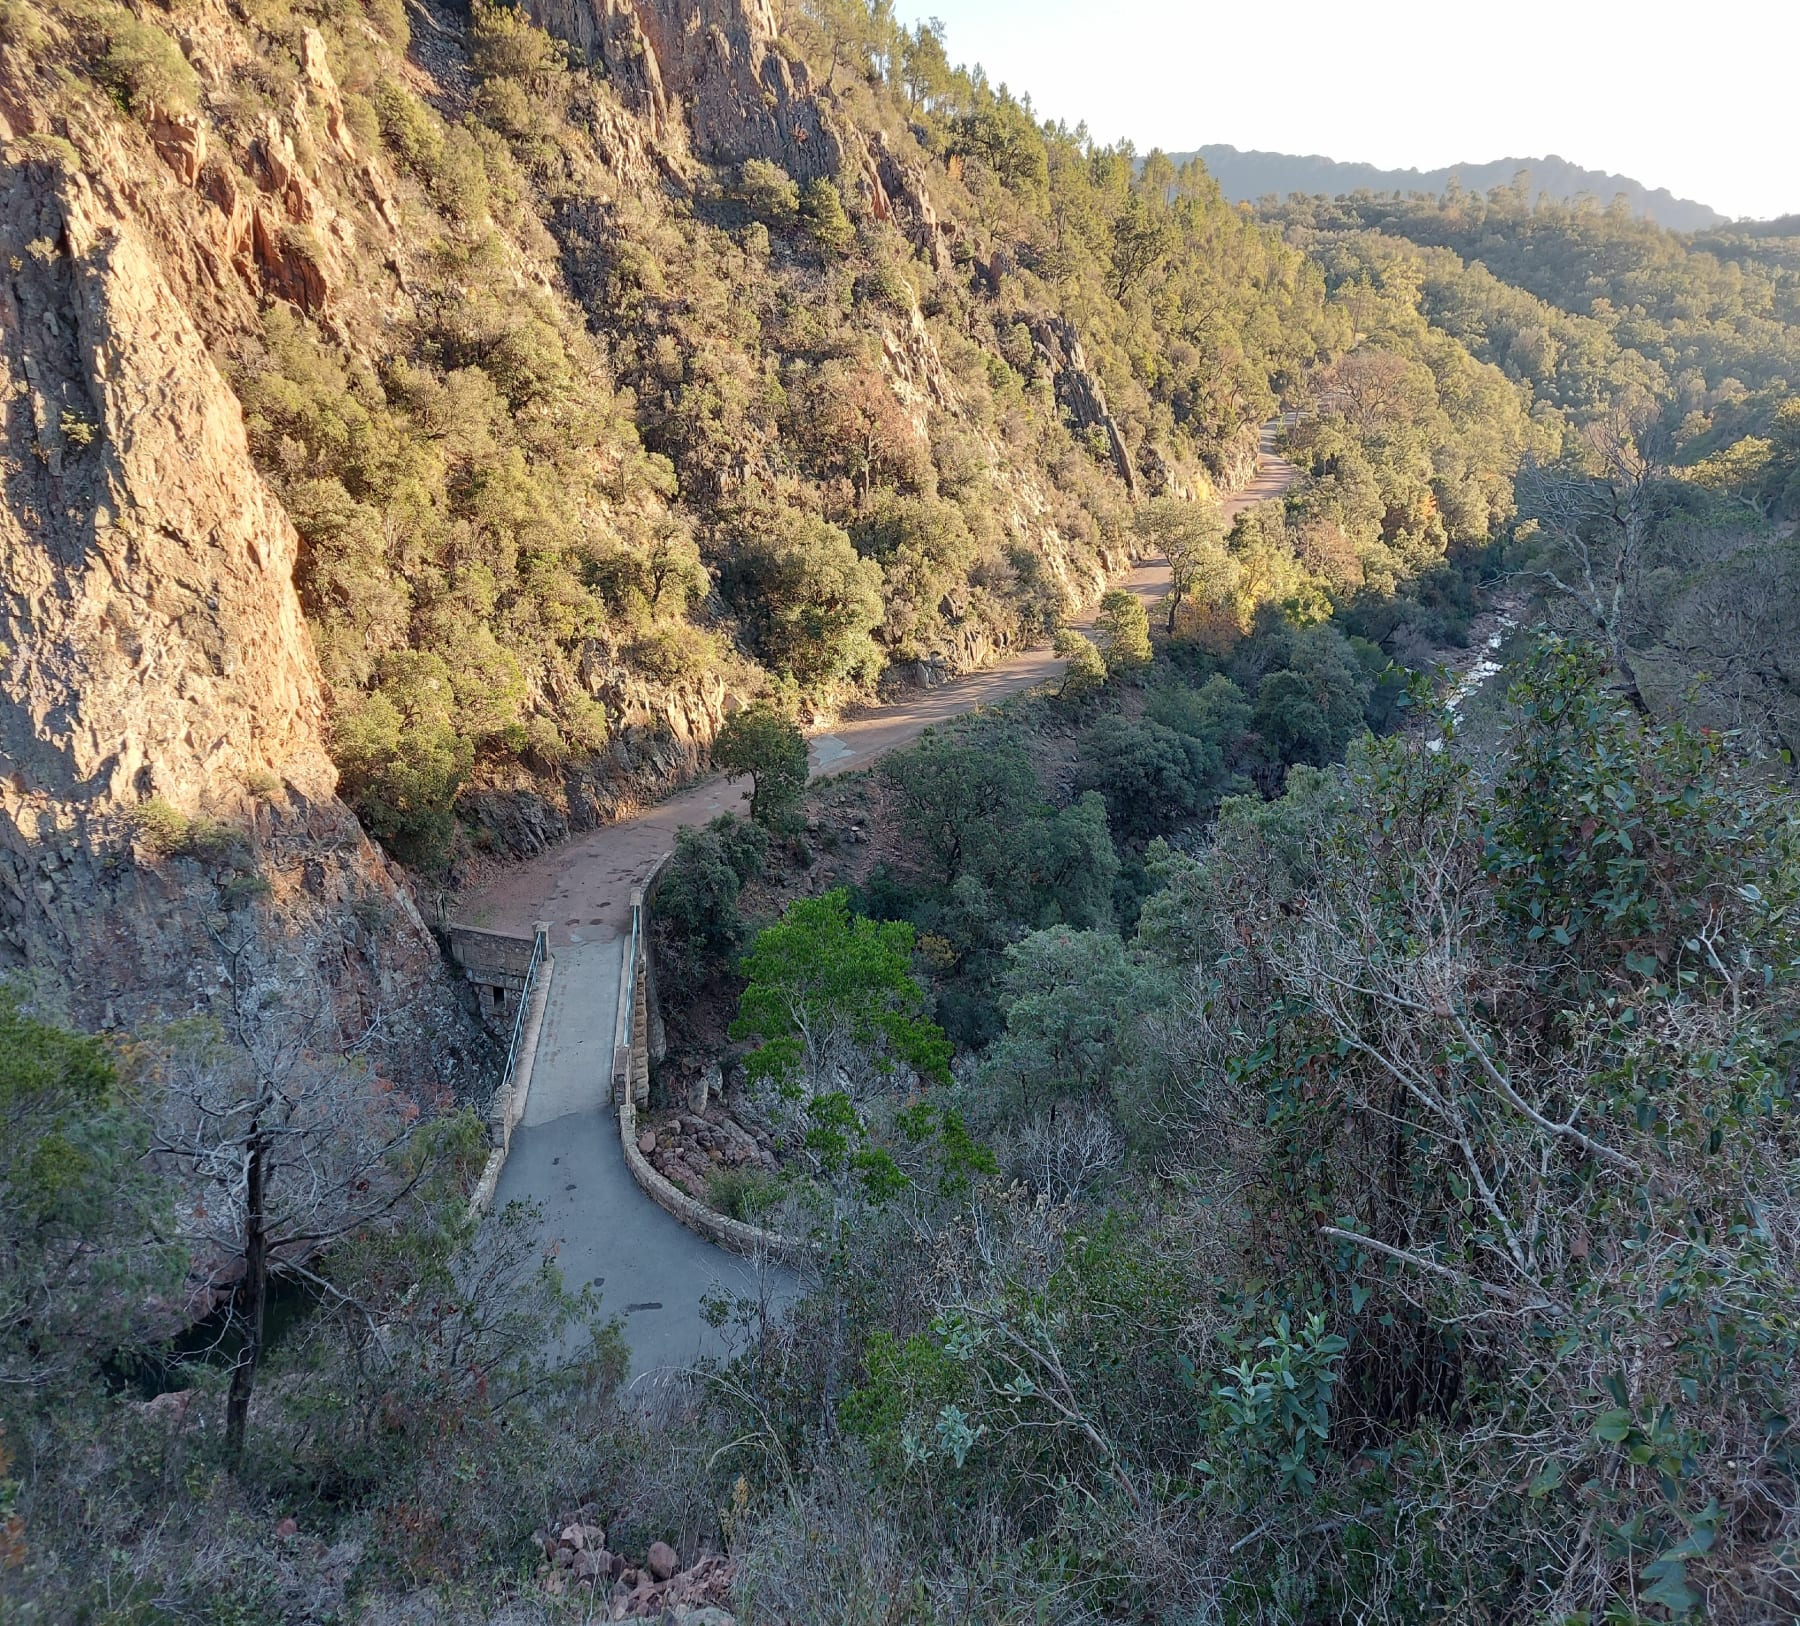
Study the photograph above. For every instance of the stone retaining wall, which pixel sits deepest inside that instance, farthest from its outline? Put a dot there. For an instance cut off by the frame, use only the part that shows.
(750, 1240)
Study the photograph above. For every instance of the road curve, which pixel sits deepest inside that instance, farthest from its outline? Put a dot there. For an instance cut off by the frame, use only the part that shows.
(565, 1153)
(582, 886)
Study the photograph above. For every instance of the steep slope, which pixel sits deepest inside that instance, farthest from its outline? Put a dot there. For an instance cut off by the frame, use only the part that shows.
(420, 422)
(168, 816)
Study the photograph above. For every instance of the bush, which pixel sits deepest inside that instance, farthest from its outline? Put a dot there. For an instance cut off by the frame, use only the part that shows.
(1124, 629)
(769, 192)
(403, 759)
(1151, 777)
(743, 1194)
(808, 601)
(146, 68)
(1085, 673)
(826, 221)
(170, 833)
(697, 923)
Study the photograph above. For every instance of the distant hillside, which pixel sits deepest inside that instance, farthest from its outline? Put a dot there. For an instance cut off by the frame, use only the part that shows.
(1249, 175)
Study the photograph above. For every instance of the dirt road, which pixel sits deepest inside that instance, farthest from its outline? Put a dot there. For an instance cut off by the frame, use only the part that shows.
(583, 885)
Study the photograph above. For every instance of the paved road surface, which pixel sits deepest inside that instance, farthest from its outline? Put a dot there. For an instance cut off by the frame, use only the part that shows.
(647, 1266)
(565, 1153)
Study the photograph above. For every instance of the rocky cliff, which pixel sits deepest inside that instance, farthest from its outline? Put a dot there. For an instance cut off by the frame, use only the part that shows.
(167, 799)
(368, 382)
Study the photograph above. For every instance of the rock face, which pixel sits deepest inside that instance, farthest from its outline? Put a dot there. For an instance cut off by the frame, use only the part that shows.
(152, 647)
(706, 72)
(155, 641)
(1078, 389)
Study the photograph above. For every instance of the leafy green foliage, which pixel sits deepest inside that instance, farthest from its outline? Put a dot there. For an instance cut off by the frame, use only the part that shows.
(829, 991)
(144, 66)
(1085, 672)
(1124, 629)
(958, 798)
(764, 742)
(83, 1217)
(696, 919)
(1074, 1004)
(808, 601)
(1150, 776)
(822, 210)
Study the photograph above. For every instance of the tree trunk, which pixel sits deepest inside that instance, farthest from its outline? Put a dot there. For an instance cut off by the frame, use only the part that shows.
(252, 1295)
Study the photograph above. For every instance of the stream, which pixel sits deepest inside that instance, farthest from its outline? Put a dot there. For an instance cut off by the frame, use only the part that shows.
(1485, 665)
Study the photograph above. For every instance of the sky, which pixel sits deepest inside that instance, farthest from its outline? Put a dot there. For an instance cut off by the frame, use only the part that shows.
(1699, 98)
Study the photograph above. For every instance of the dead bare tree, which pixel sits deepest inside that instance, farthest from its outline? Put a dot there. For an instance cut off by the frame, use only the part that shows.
(283, 1144)
(1598, 518)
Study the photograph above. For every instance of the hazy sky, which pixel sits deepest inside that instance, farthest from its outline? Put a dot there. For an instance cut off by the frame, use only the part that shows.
(1700, 98)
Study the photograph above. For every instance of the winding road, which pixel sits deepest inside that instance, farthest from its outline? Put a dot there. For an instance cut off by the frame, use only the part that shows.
(565, 1152)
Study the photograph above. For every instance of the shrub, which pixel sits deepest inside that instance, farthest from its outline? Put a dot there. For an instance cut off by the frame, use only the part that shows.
(402, 758)
(1150, 776)
(409, 128)
(767, 745)
(826, 221)
(743, 1194)
(808, 601)
(170, 833)
(696, 915)
(1085, 672)
(145, 67)
(1124, 629)
(1218, 712)
(769, 192)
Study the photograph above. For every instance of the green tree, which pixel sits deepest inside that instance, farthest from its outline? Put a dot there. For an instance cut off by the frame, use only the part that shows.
(924, 67)
(696, 919)
(1084, 673)
(822, 211)
(403, 758)
(1151, 777)
(956, 798)
(1057, 867)
(83, 1219)
(1141, 237)
(832, 1000)
(808, 601)
(766, 743)
(770, 191)
(1191, 537)
(1217, 712)
(1124, 630)
(1075, 1003)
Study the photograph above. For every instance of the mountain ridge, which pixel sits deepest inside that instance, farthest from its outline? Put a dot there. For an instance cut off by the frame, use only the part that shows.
(1245, 175)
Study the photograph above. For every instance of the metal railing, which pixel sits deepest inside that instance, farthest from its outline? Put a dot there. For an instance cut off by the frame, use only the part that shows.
(539, 945)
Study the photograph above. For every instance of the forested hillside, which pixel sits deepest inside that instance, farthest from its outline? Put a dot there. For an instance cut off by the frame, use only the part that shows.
(1677, 359)
(1248, 176)
(1252, 1147)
